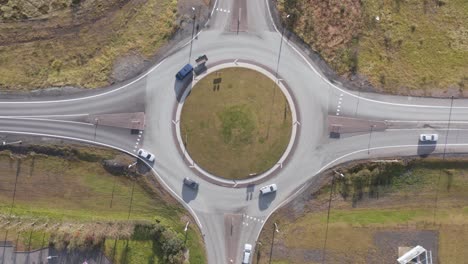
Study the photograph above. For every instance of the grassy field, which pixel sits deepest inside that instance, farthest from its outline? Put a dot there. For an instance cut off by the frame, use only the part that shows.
(239, 126)
(85, 54)
(55, 196)
(384, 206)
(404, 47)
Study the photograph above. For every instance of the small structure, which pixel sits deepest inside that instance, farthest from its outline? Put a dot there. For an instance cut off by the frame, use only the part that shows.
(133, 121)
(416, 255)
(201, 67)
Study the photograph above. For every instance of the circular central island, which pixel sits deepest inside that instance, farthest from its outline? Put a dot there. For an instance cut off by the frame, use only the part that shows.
(236, 123)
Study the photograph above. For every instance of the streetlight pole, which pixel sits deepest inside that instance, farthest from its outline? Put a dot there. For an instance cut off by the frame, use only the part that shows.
(276, 75)
(96, 122)
(370, 137)
(185, 231)
(4, 143)
(281, 45)
(193, 31)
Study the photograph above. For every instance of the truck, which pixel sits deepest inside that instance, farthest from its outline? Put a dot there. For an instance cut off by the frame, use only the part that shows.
(184, 72)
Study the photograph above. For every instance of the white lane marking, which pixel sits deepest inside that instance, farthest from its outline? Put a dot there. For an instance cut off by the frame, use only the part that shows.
(212, 11)
(44, 116)
(48, 120)
(425, 128)
(186, 205)
(345, 91)
(427, 121)
(339, 105)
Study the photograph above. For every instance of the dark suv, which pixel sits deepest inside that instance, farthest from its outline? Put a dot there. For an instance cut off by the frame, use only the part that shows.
(191, 183)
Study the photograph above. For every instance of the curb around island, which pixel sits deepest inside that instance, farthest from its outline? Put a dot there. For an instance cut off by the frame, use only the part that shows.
(295, 125)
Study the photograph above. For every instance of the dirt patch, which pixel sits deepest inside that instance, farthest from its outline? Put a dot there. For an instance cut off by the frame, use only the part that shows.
(128, 66)
(329, 27)
(92, 44)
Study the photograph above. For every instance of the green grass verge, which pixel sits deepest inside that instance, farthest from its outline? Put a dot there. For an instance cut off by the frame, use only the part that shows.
(236, 122)
(405, 204)
(72, 193)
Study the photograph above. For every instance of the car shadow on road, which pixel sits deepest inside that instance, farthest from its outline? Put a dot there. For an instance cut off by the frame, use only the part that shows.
(142, 167)
(265, 200)
(180, 86)
(425, 148)
(188, 194)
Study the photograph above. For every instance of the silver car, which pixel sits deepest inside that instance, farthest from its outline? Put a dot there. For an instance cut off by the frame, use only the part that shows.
(146, 155)
(268, 189)
(247, 253)
(428, 137)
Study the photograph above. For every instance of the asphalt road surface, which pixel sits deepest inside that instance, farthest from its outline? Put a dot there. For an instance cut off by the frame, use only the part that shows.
(229, 217)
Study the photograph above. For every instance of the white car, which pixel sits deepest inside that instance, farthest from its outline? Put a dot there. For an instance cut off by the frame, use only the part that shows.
(146, 155)
(247, 253)
(268, 189)
(428, 137)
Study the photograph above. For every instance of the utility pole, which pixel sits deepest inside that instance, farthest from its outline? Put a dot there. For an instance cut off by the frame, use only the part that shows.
(328, 214)
(275, 230)
(443, 158)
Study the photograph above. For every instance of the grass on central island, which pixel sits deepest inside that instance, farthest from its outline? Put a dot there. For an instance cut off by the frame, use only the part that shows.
(236, 122)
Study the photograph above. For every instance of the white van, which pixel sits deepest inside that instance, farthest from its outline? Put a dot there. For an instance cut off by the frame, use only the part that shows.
(247, 253)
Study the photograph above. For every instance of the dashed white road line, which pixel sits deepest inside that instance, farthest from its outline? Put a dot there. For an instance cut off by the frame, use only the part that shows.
(339, 104)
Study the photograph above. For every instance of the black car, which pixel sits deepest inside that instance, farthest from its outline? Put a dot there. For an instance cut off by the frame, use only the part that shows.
(191, 183)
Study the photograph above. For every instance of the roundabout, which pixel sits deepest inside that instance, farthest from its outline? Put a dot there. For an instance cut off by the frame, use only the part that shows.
(236, 123)
(228, 218)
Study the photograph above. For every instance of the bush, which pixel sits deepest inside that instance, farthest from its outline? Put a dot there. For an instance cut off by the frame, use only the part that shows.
(171, 243)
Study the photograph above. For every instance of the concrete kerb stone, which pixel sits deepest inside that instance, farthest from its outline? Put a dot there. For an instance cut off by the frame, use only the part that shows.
(237, 183)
